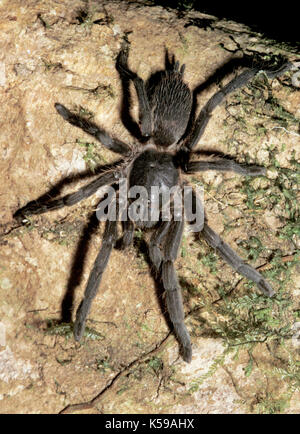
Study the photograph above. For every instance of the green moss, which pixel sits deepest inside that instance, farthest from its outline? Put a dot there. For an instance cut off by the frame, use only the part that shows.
(92, 155)
(66, 330)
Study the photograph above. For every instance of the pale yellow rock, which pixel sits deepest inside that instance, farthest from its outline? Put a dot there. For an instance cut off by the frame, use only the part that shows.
(47, 55)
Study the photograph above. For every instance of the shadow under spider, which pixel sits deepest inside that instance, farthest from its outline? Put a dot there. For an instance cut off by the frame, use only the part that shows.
(77, 268)
(141, 247)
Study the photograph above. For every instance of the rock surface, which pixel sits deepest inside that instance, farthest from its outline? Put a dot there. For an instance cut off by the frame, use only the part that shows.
(65, 52)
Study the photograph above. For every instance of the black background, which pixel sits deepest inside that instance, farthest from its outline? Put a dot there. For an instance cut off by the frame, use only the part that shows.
(276, 20)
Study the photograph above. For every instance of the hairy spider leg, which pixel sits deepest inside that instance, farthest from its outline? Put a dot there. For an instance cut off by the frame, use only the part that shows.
(224, 165)
(231, 257)
(163, 250)
(34, 207)
(171, 286)
(159, 234)
(197, 211)
(108, 242)
(235, 261)
(217, 98)
(128, 233)
(145, 116)
(91, 128)
(155, 252)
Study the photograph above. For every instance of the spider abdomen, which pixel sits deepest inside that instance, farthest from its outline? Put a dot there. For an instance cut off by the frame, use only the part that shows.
(171, 103)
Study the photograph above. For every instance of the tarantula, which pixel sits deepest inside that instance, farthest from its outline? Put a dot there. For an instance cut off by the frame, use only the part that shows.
(160, 159)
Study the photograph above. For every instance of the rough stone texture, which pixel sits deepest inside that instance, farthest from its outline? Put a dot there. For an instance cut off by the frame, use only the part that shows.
(50, 55)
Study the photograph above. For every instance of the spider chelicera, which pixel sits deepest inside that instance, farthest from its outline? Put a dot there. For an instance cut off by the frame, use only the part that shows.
(161, 158)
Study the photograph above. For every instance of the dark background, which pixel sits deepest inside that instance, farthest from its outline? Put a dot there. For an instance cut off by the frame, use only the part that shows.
(276, 20)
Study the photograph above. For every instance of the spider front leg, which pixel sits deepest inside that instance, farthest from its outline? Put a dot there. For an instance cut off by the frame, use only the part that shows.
(170, 233)
(108, 242)
(35, 207)
(155, 252)
(233, 259)
(172, 287)
(128, 233)
(145, 117)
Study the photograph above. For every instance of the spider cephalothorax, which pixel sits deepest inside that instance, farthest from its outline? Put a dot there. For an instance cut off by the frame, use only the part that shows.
(165, 113)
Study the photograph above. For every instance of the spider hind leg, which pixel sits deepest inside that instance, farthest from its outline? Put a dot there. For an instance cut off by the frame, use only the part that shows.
(145, 115)
(91, 128)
